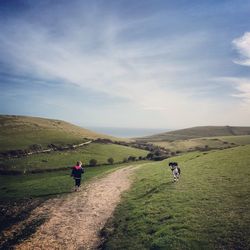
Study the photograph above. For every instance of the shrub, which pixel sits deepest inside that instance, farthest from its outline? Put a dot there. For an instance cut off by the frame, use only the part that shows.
(35, 147)
(159, 157)
(125, 160)
(157, 152)
(149, 156)
(93, 162)
(111, 160)
(53, 146)
(131, 158)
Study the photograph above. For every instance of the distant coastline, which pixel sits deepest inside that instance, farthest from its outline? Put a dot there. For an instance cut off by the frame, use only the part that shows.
(127, 132)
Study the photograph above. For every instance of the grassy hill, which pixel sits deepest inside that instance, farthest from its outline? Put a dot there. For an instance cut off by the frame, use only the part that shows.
(209, 208)
(20, 194)
(20, 132)
(45, 185)
(205, 143)
(64, 159)
(198, 132)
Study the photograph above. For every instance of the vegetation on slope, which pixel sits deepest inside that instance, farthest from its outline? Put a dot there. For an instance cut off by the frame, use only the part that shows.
(206, 143)
(61, 159)
(46, 184)
(208, 208)
(197, 132)
(19, 195)
(20, 132)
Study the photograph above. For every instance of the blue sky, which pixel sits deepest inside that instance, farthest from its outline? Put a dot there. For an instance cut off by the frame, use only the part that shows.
(151, 64)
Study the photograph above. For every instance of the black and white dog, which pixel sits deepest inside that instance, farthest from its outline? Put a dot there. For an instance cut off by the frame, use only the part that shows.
(176, 171)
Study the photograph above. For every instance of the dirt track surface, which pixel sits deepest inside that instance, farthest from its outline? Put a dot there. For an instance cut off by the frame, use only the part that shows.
(75, 221)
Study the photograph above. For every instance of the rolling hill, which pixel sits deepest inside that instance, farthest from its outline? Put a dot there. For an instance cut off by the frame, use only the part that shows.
(207, 209)
(198, 132)
(204, 143)
(64, 159)
(20, 132)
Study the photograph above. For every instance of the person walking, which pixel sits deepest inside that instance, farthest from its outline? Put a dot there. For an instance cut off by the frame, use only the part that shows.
(76, 173)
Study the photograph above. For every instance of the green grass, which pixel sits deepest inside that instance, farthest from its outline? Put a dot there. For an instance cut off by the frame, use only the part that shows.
(209, 208)
(198, 132)
(239, 140)
(218, 142)
(19, 132)
(47, 184)
(22, 140)
(59, 159)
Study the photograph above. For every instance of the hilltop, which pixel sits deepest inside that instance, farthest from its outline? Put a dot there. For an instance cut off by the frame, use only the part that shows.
(20, 132)
(197, 132)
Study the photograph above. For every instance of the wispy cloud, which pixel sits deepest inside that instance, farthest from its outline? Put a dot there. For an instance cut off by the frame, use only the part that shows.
(241, 87)
(156, 65)
(242, 44)
(139, 71)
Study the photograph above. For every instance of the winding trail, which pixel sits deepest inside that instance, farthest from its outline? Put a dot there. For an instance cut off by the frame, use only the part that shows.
(75, 221)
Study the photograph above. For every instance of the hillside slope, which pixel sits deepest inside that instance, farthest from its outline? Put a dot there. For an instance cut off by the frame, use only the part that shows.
(19, 132)
(63, 159)
(198, 132)
(204, 143)
(207, 209)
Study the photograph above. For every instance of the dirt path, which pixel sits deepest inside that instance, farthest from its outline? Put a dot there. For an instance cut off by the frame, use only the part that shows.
(75, 221)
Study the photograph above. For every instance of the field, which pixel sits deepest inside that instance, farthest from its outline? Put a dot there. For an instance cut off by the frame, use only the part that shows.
(219, 142)
(20, 132)
(198, 132)
(19, 195)
(46, 184)
(60, 159)
(209, 208)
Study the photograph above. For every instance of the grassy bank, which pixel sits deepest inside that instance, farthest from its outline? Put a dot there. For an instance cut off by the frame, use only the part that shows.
(59, 159)
(47, 184)
(207, 143)
(198, 132)
(19, 195)
(20, 132)
(209, 208)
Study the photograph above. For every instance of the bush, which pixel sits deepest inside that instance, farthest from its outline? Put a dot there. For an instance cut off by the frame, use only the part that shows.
(125, 160)
(53, 146)
(157, 152)
(150, 156)
(35, 147)
(111, 161)
(92, 162)
(159, 157)
(131, 158)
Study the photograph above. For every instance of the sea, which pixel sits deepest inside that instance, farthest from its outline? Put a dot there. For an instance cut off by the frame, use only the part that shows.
(127, 132)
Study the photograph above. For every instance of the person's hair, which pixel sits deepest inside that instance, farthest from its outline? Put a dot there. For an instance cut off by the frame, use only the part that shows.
(78, 163)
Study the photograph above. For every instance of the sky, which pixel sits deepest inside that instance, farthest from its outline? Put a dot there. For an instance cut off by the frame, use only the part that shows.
(123, 63)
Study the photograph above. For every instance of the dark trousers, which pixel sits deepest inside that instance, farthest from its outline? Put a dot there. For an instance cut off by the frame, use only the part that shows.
(78, 182)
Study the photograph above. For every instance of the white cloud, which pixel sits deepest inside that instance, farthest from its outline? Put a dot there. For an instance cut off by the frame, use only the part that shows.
(241, 88)
(242, 44)
(132, 70)
(100, 55)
